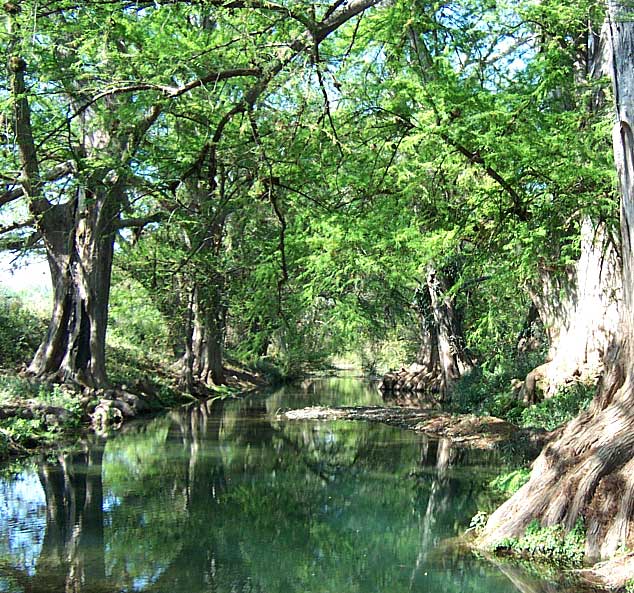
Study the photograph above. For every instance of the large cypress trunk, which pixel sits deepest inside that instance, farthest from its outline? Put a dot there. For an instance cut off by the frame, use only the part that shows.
(579, 309)
(588, 471)
(79, 240)
(579, 305)
(208, 336)
(442, 357)
(452, 357)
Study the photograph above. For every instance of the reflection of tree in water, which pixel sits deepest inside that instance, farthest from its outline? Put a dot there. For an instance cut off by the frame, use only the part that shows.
(196, 477)
(254, 499)
(72, 554)
(219, 497)
(410, 399)
(325, 391)
(526, 583)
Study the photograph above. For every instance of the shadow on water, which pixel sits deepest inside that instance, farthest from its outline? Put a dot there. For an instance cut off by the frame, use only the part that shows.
(223, 497)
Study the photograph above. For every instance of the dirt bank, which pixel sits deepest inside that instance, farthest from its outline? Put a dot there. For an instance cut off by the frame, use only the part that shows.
(467, 430)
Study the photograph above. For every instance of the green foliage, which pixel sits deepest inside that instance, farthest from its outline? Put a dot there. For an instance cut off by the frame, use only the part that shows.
(457, 134)
(489, 388)
(629, 586)
(478, 521)
(549, 543)
(559, 409)
(509, 483)
(491, 392)
(20, 331)
(43, 426)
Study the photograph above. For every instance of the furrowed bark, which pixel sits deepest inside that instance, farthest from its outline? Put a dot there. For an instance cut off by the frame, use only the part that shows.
(579, 309)
(588, 472)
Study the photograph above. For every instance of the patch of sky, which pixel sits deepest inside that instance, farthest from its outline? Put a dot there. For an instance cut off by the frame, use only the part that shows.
(24, 275)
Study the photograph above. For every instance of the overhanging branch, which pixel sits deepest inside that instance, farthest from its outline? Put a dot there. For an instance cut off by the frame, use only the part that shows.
(20, 243)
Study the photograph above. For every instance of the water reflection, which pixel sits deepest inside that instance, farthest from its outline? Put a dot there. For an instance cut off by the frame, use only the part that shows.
(327, 391)
(225, 498)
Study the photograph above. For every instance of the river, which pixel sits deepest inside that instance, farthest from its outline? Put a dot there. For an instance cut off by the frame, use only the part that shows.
(225, 497)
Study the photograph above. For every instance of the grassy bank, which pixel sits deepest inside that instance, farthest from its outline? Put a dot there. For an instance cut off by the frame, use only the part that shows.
(39, 415)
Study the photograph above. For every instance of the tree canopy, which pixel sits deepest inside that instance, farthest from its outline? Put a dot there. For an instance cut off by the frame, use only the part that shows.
(280, 176)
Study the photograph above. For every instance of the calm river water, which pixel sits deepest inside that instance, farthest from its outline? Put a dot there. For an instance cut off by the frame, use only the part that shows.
(225, 498)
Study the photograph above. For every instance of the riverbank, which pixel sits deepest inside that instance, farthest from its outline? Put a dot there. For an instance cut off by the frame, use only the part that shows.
(38, 416)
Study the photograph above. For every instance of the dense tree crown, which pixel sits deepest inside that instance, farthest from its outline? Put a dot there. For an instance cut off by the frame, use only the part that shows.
(282, 177)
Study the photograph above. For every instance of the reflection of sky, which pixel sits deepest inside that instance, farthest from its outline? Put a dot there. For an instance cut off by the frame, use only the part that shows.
(22, 519)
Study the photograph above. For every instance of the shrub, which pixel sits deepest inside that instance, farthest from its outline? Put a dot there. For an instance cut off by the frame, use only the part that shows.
(510, 482)
(488, 388)
(20, 331)
(563, 407)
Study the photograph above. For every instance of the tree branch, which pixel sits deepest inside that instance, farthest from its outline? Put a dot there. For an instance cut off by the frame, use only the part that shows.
(57, 172)
(30, 174)
(169, 91)
(13, 243)
(138, 222)
(16, 226)
(476, 158)
(339, 13)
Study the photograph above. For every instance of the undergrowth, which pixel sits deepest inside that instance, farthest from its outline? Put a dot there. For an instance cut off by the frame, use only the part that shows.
(548, 543)
(510, 482)
(21, 330)
(563, 407)
(489, 391)
(50, 413)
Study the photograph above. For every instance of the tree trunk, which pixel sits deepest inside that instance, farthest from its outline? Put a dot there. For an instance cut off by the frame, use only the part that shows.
(579, 306)
(453, 358)
(589, 470)
(79, 239)
(442, 356)
(203, 358)
(208, 338)
(427, 355)
(579, 309)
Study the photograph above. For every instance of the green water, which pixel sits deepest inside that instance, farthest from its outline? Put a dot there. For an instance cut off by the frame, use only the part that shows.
(225, 498)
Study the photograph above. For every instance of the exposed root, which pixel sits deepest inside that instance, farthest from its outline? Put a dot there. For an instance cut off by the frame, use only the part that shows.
(587, 472)
(416, 378)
